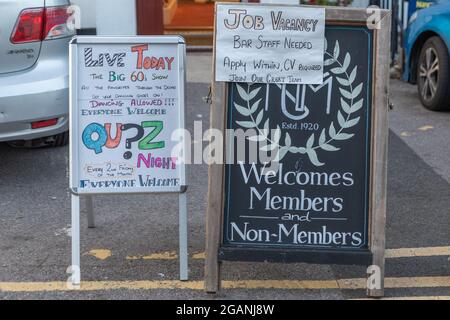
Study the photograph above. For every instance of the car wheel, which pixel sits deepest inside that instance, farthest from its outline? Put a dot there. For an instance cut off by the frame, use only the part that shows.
(58, 140)
(433, 75)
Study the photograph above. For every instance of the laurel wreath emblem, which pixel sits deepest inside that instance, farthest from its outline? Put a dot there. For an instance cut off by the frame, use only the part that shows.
(328, 138)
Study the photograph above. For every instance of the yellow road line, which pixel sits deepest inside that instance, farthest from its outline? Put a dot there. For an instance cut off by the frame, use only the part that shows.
(390, 254)
(101, 254)
(281, 284)
(199, 256)
(99, 285)
(167, 255)
(347, 284)
(415, 298)
(417, 282)
(417, 252)
(425, 128)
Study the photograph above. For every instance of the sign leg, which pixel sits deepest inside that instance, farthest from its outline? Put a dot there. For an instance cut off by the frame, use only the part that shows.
(215, 196)
(76, 278)
(375, 274)
(90, 212)
(213, 233)
(183, 237)
(375, 283)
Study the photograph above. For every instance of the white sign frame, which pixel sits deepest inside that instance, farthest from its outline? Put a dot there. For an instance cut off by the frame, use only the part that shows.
(238, 28)
(74, 133)
(74, 269)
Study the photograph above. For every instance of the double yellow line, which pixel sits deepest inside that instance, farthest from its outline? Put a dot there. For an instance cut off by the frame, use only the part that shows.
(343, 284)
(340, 284)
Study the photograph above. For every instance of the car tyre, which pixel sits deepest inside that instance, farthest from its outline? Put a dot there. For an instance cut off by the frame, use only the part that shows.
(433, 75)
(60, 140)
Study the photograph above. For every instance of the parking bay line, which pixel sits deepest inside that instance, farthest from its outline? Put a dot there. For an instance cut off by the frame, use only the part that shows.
(389, 254)
(342, 284)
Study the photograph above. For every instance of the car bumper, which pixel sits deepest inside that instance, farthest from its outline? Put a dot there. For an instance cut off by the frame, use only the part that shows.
(38, 94)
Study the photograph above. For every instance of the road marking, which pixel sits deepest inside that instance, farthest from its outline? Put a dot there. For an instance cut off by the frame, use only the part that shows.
(343, 284)
(67, 231)
(282, 284)
(417, 282)
(167, 255)
(425, 128)
(199, 256)
(101, 254)
(98, 286)
(417, 252)
(389, 253)
(413, 298)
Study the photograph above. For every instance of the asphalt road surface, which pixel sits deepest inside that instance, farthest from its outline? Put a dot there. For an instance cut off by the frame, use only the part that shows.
(132, 252)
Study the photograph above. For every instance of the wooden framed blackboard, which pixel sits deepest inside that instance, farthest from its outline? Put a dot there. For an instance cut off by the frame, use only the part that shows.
(325, 201)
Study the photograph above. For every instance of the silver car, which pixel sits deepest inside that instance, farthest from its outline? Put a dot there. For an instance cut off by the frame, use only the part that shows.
(34, 72)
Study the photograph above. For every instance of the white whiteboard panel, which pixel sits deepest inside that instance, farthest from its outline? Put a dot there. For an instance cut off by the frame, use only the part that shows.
(269, 44)
(127, 98)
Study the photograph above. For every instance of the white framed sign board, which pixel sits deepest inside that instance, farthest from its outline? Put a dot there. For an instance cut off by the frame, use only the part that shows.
(269, 44)
(127, 98)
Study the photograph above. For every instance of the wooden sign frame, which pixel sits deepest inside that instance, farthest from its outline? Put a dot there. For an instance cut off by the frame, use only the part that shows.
(378, 164)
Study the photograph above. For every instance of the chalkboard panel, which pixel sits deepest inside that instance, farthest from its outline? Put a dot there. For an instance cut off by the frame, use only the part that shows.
(318, 196)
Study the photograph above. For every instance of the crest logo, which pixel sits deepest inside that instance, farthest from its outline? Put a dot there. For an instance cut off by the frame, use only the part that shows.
(332, 136)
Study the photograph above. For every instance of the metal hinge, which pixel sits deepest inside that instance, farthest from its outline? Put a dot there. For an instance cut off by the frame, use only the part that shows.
(208, 98)
(390, 105)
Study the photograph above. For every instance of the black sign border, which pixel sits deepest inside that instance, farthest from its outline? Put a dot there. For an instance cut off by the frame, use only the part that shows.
(299, 253)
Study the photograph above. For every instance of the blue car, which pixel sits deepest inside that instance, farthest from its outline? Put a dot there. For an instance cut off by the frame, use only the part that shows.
(427, 47)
